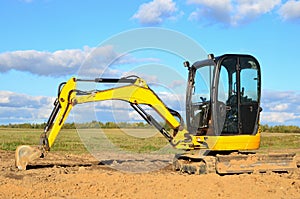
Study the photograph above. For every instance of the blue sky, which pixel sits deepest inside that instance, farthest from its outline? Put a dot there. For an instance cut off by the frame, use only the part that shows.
(44, 42)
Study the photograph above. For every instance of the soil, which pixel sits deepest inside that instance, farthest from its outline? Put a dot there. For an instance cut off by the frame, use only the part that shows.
(61, 175)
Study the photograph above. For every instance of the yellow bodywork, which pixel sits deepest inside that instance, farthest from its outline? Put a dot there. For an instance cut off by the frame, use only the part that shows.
(186, 141)
(140, 93)
(64, 110)
(233, 142)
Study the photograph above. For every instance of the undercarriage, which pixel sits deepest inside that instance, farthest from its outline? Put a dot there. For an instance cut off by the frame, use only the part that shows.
(234, 162)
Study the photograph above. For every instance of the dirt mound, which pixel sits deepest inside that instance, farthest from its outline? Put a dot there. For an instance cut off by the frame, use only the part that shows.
(82, 176)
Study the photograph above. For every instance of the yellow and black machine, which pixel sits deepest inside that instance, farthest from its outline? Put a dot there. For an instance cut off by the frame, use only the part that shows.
(222, 117)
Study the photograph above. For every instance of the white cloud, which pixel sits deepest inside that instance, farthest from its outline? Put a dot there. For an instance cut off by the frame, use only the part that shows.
(177, 83)
(280, 106)
(4, 99)
(290, 10)
(58, 63)
(148, 78)
(214, 11)
(133, 115)
(19, 107)
(278, 117)
(89, 61)
(155, 12)
(228, 12)
(272, 97)
(249, 10)
(12, 99)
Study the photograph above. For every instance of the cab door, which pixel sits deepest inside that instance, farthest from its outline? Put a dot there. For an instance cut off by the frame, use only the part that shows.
(249, 95)
(237, 96)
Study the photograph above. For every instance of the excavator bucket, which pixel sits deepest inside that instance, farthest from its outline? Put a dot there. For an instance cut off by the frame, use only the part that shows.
(24, 154)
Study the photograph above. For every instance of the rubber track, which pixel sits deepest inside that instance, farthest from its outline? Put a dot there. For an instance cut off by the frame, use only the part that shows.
(236, 163)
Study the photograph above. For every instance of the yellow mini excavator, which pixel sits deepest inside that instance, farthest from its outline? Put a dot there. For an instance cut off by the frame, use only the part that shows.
(222, 117)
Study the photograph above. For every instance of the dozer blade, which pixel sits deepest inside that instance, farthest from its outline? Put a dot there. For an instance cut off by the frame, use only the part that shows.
(255, 163)
(24, 154)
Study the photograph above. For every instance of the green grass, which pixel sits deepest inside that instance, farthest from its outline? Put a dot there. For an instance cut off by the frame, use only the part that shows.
(143, 141)
(132, 140)
(280, 142)
(11, 138)
(69, 140)
(136, 144)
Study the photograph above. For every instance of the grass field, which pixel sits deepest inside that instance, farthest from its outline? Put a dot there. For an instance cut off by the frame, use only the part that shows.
(143, 140)
(280, 141)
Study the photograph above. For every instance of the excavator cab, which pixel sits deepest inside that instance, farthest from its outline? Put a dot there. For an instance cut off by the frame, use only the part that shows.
(223, 96)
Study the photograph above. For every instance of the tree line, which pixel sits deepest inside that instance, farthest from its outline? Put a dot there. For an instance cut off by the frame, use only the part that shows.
(280, 129)
(93, 124)
(112, 125)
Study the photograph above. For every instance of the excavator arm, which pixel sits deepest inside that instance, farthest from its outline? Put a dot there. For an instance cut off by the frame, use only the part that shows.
(135, 91)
